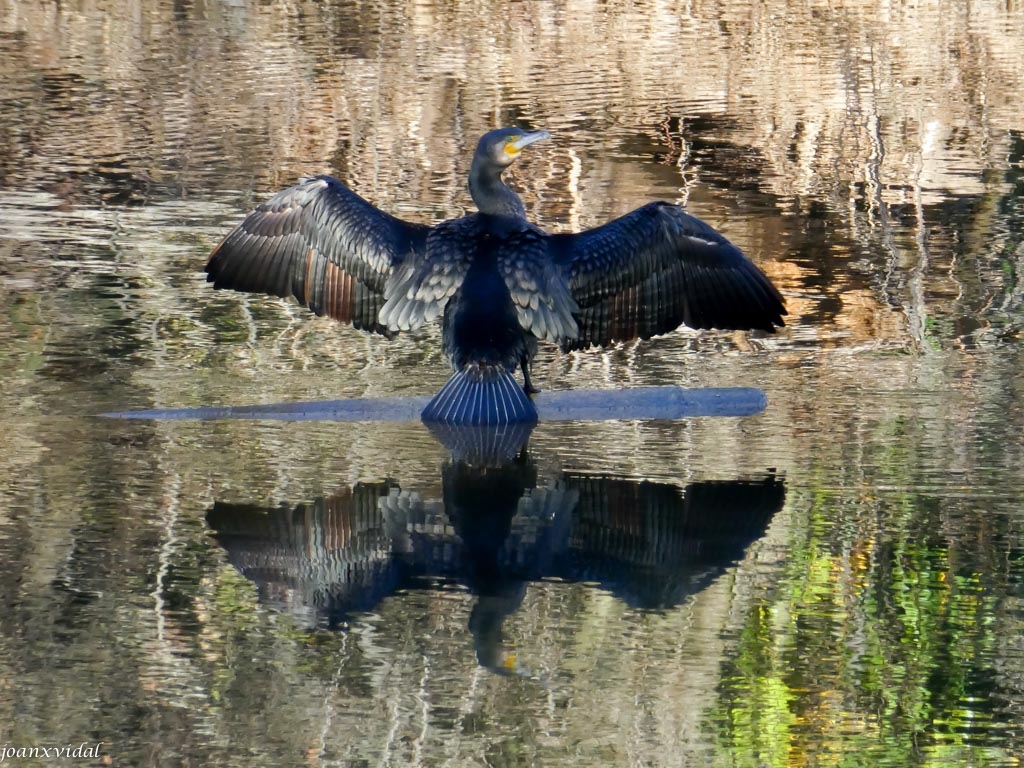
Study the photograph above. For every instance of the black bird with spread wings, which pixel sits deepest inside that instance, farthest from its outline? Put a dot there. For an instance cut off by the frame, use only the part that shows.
(498, 283)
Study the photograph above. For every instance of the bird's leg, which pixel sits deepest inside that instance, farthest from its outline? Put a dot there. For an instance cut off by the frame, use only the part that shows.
(528, 387)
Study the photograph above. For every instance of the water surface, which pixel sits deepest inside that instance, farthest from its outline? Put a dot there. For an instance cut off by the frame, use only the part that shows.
(837, 580)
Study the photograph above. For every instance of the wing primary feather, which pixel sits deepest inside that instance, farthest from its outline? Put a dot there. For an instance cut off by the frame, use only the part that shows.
(284, 248)
(247, 276)
(646, 272)
(315, 277)
(279, 274)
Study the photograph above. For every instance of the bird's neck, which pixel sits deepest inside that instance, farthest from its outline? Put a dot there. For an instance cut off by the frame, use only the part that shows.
(491, 195)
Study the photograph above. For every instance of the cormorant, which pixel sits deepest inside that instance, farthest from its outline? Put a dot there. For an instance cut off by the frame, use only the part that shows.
(497, 282)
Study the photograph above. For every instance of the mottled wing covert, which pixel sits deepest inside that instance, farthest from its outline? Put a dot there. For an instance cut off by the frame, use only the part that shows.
(538, 286)
(420, 287)
(322, 244)
(652, 270)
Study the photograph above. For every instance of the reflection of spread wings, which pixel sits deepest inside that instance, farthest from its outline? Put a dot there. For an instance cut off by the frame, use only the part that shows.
(659, 524)
(322, 244)
(334, 550)
(649, 543)
(650, 271)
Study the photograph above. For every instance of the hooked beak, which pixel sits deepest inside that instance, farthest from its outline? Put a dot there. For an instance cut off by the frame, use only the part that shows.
(527, 139)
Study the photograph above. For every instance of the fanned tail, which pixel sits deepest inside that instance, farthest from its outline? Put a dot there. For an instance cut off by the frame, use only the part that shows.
(480, 396)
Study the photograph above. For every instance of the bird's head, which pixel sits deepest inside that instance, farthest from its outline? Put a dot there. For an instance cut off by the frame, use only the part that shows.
(503, 145)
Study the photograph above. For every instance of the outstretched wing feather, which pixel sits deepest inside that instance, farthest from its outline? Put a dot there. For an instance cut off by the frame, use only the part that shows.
(652, 270)
(322, 244)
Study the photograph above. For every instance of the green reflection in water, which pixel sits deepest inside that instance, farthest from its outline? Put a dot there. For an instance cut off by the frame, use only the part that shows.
(879, 649)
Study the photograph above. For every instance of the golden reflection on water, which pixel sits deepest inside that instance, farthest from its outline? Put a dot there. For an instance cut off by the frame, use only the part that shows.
(866, 155)
(859, 129)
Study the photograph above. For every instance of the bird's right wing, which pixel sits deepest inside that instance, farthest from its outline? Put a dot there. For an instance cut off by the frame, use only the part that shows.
(322, 244)
(652, 270)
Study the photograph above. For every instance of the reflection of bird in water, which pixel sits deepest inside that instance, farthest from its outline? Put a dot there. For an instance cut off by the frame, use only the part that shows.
(498, 282)
(649, 544)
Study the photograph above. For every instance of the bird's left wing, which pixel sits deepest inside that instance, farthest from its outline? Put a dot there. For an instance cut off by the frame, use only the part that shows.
(322, 244)
(656, 268)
